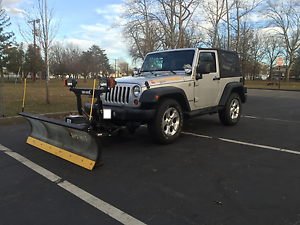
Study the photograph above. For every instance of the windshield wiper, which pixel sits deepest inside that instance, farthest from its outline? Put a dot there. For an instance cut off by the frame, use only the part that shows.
(149, 71)
(166, 69)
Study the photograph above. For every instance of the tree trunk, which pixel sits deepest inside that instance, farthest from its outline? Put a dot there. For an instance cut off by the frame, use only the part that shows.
(238, 27)
(2, 74)
(287, 78)
(228, 26)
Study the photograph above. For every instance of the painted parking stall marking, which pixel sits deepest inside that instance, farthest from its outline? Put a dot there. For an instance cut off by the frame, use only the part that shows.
(272, 119)
(104, 207)
(245, 143)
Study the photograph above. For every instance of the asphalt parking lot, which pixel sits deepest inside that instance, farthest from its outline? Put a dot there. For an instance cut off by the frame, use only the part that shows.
(246, 174)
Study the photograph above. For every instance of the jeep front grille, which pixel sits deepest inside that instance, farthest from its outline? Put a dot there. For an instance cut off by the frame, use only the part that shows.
(118, 94)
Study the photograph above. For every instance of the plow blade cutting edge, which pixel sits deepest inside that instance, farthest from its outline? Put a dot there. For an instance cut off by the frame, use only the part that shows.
(73, 142)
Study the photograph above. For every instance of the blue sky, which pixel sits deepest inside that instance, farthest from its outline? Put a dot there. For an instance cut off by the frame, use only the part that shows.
(82, 22)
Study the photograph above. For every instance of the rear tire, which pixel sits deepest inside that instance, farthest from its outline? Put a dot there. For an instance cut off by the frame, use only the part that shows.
(166, 125)
(231, 114)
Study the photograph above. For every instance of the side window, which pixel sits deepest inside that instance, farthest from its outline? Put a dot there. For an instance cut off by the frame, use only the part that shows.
(208, 58)
(229, 63)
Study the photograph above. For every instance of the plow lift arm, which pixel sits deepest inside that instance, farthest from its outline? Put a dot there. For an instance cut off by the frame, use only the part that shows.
(77, 143)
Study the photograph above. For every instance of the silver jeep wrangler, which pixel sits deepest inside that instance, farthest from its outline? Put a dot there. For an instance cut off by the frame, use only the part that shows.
(176, 84)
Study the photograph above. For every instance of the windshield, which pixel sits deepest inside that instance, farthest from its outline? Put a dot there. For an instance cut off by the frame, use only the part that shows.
(168, 61)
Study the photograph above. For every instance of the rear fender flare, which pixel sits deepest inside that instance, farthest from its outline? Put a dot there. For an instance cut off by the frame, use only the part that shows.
(236, 87)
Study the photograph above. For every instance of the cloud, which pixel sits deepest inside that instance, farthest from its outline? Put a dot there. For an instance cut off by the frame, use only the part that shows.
(102, 34)
(94, 28)
(10, 2)
(13, 11)
(12, 7)
(270, 31)
(111, 40)
(110, 9)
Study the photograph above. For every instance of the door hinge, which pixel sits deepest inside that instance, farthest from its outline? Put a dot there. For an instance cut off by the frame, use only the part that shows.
(196, 99)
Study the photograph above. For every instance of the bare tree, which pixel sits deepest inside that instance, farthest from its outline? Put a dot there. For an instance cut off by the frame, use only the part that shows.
(140, 30)
(296, 67)
(123, 66)
(214, 12)
(242, 9)
(175, 19)
(159, 24)
(41, 23)
(224, 20)
(72, 59)
(257, 54)
(57, 59)
(272, 46)
(285, 18)
(245, 56)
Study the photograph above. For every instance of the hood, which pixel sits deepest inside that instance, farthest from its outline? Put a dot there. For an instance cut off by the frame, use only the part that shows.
(153, 79)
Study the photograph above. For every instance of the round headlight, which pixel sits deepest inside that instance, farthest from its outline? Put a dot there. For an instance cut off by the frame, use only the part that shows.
(136, 91)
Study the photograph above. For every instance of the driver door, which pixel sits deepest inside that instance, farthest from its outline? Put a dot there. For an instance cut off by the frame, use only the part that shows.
(207, 88)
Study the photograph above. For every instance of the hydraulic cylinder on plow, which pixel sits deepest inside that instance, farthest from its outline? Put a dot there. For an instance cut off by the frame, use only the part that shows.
(77, 138)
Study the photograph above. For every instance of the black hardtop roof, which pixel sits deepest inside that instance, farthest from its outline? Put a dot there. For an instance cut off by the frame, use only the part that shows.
(219, 50)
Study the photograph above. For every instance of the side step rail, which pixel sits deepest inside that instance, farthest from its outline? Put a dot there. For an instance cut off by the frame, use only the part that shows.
(76, 143)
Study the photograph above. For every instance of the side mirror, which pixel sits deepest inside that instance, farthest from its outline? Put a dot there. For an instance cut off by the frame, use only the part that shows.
(188, 69)
(137, 72)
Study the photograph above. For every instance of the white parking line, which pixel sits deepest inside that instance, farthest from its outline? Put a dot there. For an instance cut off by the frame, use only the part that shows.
(245, 143)
(251, 117)
(85, 196)
(197, 135)
(273, 119)
(260, 146)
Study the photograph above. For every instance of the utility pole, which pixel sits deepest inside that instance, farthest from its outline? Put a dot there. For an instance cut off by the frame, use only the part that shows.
(115, 68)
(34, 43)
(47, 56)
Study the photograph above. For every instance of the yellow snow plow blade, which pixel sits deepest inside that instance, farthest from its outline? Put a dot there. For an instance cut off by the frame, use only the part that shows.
(73, 142)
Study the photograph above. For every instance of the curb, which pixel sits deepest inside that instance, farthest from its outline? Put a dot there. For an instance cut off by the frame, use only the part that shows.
(20, 119)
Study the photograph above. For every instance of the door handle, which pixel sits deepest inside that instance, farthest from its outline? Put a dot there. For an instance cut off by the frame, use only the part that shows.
(216, 78)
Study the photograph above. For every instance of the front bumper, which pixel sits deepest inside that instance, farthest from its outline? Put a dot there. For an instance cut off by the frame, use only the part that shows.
(129, 114)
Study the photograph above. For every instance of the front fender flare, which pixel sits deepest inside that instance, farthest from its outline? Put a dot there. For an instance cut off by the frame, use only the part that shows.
(154, 94)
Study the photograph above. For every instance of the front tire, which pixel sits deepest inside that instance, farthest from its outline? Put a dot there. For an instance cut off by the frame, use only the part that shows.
(166, 125)
(231, 114)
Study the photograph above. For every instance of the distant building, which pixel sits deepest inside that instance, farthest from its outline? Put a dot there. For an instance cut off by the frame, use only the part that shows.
(278, 71)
